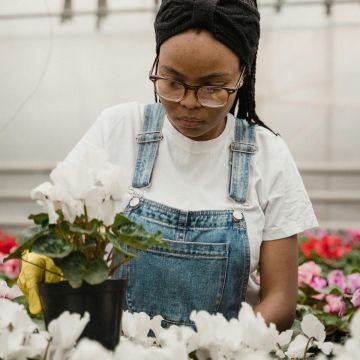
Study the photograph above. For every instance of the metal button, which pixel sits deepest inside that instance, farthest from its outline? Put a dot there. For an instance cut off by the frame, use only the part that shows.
(237, 215)
(135, 202)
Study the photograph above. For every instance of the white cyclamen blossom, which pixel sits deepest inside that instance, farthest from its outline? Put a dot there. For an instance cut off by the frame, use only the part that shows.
(65, 331)
(219, 338)
(19, 336)
(90, 350)
(315, 336)
(21, 340)
(351, 348)
(9, 292)
(93, 183)
(45, 196)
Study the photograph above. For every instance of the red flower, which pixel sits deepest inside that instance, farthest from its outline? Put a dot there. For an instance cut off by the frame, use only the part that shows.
(327, 247)
(308, 246)
(7, 242)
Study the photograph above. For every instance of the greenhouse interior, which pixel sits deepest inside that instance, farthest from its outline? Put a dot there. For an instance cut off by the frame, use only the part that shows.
(148, 214)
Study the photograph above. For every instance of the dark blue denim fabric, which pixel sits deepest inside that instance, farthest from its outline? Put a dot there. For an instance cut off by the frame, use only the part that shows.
(206, 266)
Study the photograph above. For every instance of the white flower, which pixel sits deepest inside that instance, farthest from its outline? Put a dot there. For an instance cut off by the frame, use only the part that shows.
(183, 335)
(14, 316)
(136, 327)
(174, 342)
(19, 347)
(9, 293)
(90, 350)
(283, 339)
(112, 178)
(128, 349)
(254, 331)
(92, 182)
(19, 337)
(297, 347)
(315, 335)
(351, 348)
(70, 206)
(214, 329)
(64, 331)
(355, 327)
(99, 205)
(45, 196)
(218, 338)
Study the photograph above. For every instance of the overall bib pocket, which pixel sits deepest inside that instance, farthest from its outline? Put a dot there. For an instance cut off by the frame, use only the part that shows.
(174, 281)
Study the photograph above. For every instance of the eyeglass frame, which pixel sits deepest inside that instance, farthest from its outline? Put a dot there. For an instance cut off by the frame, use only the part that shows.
(230, 89)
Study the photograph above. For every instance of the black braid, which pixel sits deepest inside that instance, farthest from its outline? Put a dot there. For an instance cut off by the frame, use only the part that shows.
(245, 101)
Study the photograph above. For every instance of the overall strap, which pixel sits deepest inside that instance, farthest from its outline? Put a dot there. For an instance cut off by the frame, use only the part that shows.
(241, 149)
(148, 144)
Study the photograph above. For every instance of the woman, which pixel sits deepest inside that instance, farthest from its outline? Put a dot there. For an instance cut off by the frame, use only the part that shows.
(223, 190)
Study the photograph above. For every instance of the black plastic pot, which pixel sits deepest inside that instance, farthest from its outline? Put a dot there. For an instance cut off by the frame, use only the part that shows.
(104, 302)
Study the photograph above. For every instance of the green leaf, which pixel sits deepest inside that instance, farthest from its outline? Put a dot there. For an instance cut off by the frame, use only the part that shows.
(28, 233)
(301, 296)
(81, 231)
(73, 267)
(120, 220)
(30, 237)
(96, 271)
(117, 247)
(334, 290)
(52, 245)
(40, 219)
(137, 237)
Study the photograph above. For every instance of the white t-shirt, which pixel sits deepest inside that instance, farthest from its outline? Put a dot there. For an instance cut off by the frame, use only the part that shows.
(193, 175)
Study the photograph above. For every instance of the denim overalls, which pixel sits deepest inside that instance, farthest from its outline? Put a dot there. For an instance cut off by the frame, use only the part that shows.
(206, 266)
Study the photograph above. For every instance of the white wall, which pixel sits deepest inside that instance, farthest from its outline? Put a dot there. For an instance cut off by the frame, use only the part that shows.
(308, 81)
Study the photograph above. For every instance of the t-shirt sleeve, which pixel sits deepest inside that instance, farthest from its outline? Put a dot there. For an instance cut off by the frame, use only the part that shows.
(93, 139)
(288, 210)
(114, 131)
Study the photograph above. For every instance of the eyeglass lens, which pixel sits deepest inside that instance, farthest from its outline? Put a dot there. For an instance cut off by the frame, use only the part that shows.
(207, 96)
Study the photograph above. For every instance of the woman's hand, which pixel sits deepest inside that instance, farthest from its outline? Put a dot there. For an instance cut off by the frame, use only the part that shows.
(278, 281)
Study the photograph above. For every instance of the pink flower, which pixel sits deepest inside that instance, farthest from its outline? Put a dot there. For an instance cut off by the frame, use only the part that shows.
(318, 296)
(353, 282)
(318, 282)
(335, 305)
(11, 268)
(337, 278)
(355, 300)
(307, 271)
(354, 236)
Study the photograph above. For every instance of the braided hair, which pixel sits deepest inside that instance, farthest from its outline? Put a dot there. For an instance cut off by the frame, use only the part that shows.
(235, 23)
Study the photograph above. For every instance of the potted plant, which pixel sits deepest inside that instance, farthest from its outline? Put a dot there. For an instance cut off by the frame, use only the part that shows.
(88, 240)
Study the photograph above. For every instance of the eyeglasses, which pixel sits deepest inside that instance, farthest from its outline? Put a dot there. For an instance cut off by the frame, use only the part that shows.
(208, 96)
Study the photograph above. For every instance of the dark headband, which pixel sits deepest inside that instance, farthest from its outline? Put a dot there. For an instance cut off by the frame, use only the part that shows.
(233, 22)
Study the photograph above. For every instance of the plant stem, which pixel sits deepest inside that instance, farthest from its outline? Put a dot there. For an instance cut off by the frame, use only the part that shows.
(110, 254)
(52, 272)
(122, 262)
(307, 347)
(47, 349)
(86, 217)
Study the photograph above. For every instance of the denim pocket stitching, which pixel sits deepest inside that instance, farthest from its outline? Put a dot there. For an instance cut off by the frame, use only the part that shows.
(221, 291)
(217, 298)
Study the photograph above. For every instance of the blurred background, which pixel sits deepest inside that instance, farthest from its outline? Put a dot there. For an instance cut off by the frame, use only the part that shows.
(63, 61)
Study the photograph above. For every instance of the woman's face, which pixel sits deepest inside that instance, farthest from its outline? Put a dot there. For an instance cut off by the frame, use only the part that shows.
(198, 59)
